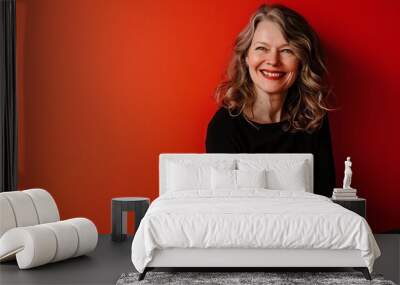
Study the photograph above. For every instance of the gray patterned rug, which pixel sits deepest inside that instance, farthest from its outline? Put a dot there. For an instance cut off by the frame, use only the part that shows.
(231, 278)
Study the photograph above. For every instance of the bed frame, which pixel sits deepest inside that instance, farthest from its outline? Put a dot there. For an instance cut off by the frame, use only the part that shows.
(242, 259)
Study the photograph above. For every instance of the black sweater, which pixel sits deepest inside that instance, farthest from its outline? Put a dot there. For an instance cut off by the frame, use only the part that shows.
(226, 134)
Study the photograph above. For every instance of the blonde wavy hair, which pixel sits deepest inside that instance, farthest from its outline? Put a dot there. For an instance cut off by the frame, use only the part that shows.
(305, 104)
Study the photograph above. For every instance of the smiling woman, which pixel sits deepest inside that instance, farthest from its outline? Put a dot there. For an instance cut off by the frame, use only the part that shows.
(273, 100)
(271, 61)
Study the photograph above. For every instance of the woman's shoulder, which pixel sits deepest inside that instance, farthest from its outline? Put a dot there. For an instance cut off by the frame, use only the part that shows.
(325, 123)
(222, 121)
(324, 128)
(223, 117)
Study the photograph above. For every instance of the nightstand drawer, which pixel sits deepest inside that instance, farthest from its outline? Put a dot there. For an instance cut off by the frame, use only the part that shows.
(357, 206)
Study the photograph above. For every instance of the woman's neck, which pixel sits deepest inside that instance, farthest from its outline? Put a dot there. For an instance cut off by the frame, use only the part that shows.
(267, 108)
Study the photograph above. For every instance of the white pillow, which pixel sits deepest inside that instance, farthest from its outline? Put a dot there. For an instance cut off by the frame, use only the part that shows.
(188, 175)
(293, 179)
(236, 179)
(291, 175)
(251, 178)
(223, 179)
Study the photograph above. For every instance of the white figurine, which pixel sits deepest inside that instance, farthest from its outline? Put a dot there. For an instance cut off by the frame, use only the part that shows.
(347, 174)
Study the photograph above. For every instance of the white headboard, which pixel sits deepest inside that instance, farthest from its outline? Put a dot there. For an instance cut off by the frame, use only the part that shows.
(164, 157)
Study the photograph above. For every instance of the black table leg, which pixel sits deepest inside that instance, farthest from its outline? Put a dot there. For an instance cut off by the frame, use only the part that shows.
(118, 217)
(140, 211)
(119, 208)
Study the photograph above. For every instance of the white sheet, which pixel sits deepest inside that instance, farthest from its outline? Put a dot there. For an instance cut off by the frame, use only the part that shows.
(250, 218)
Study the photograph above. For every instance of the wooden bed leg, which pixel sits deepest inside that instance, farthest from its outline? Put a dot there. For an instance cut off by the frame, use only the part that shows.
(364, 271)
(143, 274)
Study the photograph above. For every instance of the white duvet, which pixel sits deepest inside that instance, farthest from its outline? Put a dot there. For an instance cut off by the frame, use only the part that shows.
(251, 218)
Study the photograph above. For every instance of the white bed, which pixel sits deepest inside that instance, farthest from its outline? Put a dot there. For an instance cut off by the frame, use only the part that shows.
(221, 226)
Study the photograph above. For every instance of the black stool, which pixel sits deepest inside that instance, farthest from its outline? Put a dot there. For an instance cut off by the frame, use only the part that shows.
(119, 207)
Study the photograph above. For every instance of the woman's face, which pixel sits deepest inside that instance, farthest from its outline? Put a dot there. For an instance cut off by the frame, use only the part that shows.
(272, 64)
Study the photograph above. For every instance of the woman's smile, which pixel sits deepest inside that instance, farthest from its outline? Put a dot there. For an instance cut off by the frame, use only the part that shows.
(272, 75)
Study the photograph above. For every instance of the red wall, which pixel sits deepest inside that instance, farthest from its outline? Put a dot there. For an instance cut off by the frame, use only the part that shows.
(105, 86)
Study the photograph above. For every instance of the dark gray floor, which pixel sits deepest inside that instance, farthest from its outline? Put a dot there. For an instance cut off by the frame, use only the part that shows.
(111, 259)
(389, 262)
(103, 266)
